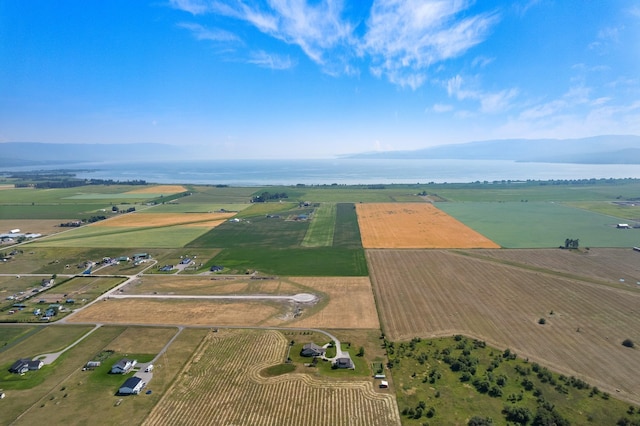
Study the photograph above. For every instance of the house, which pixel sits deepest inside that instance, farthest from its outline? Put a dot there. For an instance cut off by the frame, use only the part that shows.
(216, 268)
(344, 361)
(384, 384)
(23, 365)
(141, 256)
(185, 261)
(123, 366)
(311, 349)
(131, 386)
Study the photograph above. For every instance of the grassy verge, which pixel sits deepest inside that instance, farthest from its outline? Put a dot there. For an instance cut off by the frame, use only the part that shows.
(321, 229)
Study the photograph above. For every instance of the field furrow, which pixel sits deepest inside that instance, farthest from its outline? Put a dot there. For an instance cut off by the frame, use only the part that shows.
(430, 292)
(222, 384)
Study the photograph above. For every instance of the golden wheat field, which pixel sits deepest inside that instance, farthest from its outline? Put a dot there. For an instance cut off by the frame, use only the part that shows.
(223, 384)
(414, 225)
(135, 220)
(159, 189)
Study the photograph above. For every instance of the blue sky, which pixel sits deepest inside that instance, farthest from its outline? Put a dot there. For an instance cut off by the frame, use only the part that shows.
(313, 79)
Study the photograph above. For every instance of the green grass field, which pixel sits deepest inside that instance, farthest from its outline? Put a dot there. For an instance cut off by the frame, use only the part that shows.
(102, 236)
(626, 212)
(183, 207)
(321, 261)
(321, 228)
(347, 230)
(52, 211)
(540, 224)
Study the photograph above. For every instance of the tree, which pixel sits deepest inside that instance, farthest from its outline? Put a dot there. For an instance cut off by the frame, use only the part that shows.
(361, 351)
(628, 343)
(542, 321)
(480, 421)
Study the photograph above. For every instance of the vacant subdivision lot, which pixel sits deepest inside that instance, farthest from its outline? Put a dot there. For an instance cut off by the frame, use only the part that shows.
(431, 292)
(225, 374)
(344, 302)
(415, 225)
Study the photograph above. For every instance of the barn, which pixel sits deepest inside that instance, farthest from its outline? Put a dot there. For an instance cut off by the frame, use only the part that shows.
(131, 386)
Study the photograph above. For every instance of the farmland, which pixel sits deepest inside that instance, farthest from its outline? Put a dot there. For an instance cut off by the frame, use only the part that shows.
(541, 225)
(437, 293)
(226, 369)
(432, 268)
(412, 225)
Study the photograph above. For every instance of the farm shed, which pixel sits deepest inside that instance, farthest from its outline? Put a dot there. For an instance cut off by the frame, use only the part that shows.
(344, 361)
(131, 386)
(123, 366)
(623, 226)
(311, 349)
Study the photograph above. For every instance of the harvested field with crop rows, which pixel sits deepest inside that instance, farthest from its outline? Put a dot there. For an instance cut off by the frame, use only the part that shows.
(222, 385)
(414, 225)
(165, 219)
(158, 189)
(431, 292)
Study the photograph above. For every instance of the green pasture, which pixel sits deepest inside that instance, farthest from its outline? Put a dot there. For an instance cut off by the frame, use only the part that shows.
(197, 207)
(321, 228)
(456, 378)
(348, 194)
(224, 195)
(126, 237)
(540, 224)
(10, 336)
(536, 191)
(64, 212)
(631, 213)
(320, 261)
(97, 193)
(263, 209)
(259, 231)
(347, 230)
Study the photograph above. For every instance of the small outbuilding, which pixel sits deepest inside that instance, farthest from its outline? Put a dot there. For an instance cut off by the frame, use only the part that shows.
(131, 386)
(623, 226)
(344, 361)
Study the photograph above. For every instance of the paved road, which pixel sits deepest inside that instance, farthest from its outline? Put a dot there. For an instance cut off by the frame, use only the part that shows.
(301, 297)
(50, 358)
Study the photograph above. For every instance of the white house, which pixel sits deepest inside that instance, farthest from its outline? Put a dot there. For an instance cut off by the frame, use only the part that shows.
(131, 386)
(123, 366)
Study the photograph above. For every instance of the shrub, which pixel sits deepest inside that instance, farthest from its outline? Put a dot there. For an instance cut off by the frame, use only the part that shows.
(542, 321)
(628, 343)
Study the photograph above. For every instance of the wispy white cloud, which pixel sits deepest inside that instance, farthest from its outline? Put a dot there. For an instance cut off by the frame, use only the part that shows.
(522, 7)
(212, 34)
(271, 61)
(490, 102)
(402, 38)
(195, 7)
(405, 37)
(481, 61)
(440, 108)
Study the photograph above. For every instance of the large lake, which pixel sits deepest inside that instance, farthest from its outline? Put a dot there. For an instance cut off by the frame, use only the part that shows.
(345, 171)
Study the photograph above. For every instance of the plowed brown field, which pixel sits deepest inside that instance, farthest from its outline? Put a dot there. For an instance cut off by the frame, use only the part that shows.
(222, 385)
(605, 264)
(414, 225)
(433, 292)
(159, 189)
(135, 220)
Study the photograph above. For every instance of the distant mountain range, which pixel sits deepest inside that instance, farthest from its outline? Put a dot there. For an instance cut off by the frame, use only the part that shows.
(38, 154)
(612, 149)
(609, 149)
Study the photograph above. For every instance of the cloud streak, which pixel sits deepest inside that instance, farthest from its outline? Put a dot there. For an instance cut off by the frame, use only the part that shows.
(402, 38)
